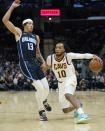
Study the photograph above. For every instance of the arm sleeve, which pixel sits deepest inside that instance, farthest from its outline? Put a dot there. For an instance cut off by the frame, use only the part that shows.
(80, 56)
(48, 61)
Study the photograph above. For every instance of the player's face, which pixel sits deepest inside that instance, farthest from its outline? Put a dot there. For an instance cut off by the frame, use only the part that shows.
(59, 49)
(29, 26)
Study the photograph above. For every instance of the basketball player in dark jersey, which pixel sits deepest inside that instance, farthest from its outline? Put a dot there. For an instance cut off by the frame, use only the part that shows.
(29, 55)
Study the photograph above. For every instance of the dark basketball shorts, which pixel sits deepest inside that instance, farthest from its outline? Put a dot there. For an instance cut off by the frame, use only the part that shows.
(31, 70)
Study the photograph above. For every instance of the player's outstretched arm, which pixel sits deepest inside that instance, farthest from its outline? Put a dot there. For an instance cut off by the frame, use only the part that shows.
(80, 56)
(6, 18)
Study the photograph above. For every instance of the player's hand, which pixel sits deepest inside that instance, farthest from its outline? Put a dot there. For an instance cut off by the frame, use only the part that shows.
(16, 3)
(96, 57)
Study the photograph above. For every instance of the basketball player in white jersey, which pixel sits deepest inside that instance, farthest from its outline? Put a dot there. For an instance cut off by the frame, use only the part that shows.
(62, 66)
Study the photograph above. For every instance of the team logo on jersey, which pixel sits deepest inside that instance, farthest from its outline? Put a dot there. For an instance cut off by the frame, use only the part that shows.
(60, 66)
(29, 39)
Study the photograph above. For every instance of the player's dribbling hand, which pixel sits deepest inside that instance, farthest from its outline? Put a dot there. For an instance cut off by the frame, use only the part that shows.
(96, 57)
(16, 3)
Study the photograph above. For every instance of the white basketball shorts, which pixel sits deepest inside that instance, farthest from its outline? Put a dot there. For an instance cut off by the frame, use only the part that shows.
(68, 86)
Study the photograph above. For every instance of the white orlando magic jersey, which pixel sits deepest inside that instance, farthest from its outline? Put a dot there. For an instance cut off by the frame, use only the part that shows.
(64, 68)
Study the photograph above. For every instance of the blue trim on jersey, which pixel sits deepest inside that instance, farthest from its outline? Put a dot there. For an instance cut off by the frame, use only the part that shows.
(36, 45)
(24, 74)
(28, 70)
(21, 49)
(25, 63)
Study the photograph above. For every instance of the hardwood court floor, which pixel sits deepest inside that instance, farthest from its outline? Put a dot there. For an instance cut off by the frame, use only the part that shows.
(20, 113)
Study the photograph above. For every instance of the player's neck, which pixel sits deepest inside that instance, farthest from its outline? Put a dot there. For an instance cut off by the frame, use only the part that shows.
(59, 58)
(25, 30)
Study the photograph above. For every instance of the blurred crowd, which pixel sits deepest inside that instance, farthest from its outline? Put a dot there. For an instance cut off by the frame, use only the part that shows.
(11, 78)
(96, 82)
(88, 80)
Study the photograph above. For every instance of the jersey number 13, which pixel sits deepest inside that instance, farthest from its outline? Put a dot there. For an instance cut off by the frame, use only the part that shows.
(30, 46)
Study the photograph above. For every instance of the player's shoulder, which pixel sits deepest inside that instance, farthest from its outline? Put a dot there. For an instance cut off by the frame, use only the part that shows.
(18, 30)
(37, 36)
(69, 54)
(50, 56)
(18, 33)
(49, 60)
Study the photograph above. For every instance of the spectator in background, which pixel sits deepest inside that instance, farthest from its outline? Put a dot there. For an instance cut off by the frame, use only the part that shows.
(83, 85)
(9, 82)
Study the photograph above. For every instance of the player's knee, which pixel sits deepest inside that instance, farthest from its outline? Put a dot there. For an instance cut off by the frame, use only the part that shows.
(68, 96)
(65, 110)
(45, 83)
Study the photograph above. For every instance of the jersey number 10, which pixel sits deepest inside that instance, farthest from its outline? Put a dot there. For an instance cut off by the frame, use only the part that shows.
(61, 73)
(30, 46)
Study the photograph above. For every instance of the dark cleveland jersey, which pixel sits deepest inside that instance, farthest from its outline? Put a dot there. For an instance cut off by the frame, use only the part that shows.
(27, 46)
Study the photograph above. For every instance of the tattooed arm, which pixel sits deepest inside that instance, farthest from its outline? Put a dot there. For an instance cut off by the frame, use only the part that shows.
(39, 56)
(38, 53)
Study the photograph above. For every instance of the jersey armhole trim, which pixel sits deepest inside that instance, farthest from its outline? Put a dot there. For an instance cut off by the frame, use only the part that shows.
(66, 59)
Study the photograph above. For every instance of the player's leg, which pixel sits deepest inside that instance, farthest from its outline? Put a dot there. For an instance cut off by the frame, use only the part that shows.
(45, 85)
(46, 92)
(29, 69)
(65, 104)
(67, 110)
(82, 117)
(69, 92)
(40, 98)
(72, 100)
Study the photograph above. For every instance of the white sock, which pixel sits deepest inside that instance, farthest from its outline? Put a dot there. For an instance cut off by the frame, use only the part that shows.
(39, 102)
(46, 87)
(39, 94)
(80, 111)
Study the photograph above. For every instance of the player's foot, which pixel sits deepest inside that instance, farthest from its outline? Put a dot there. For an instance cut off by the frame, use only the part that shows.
(82, 119)
(42, 115)
(75, 112)
(47, 106)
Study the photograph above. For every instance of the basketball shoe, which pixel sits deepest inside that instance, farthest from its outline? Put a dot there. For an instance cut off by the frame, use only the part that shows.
(42, 115)
(82, 119)
(47, 106)
(75, 112)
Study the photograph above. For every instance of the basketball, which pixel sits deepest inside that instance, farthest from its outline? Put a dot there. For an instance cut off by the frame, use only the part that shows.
(96, 65)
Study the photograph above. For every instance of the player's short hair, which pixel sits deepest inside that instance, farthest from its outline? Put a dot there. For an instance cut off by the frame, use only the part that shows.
(26, 21)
